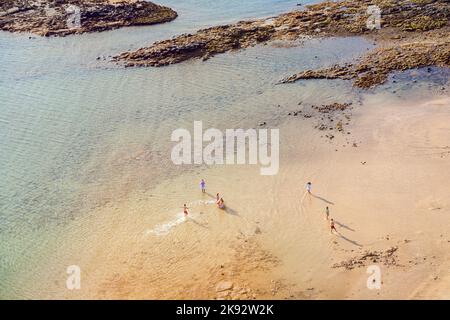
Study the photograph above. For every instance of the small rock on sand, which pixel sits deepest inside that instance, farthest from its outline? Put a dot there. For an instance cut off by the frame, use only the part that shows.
(224, 286)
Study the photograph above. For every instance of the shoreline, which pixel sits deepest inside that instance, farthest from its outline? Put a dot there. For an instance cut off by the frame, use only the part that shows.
(262, 249)
(411, 51)
(407, 20)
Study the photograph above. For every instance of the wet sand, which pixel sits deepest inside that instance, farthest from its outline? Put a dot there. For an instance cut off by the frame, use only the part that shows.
(273, 240)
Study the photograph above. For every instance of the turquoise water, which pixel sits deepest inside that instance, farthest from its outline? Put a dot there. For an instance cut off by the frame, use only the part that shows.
(71, 126)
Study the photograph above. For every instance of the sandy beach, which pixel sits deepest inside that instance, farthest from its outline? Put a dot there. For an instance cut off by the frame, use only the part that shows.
(273, 240)
(89, 181)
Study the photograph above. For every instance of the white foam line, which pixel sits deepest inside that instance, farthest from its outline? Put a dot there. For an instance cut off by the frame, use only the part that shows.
(164, 228)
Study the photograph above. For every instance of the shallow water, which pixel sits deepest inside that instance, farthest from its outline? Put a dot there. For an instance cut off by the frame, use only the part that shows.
(79, 133)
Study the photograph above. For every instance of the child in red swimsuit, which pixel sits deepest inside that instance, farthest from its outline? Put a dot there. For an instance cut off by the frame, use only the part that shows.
(332, 226)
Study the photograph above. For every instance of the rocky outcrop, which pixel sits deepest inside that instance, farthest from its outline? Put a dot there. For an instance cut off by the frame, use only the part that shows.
(348, 17)
(387, 258)
(61, 18)
(204, 44)
(374, 68)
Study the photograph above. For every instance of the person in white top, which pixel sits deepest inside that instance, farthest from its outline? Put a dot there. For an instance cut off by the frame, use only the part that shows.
(309, 187)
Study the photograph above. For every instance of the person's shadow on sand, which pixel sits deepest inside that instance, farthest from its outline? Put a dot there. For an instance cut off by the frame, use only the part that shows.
(348, 240)
(351, 241)
(343, 226)
(230, 211)
(321, 198)
(210, 195)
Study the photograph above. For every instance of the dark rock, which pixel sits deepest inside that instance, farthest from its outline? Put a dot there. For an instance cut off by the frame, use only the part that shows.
(95, 15)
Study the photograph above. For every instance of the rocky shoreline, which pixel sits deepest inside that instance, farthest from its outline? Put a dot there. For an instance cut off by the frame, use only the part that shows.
(62, 18)
(387, 258)
(374, 68)
(400, 20)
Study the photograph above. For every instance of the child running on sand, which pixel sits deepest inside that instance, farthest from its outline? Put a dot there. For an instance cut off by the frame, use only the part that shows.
(308, 187)
(203, 185)
(332, 226)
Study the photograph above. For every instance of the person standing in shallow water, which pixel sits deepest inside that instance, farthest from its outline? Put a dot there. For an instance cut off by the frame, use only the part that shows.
(221, 203)
(185, 210)
(327, 213)
(217, 198)
(203, 185)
